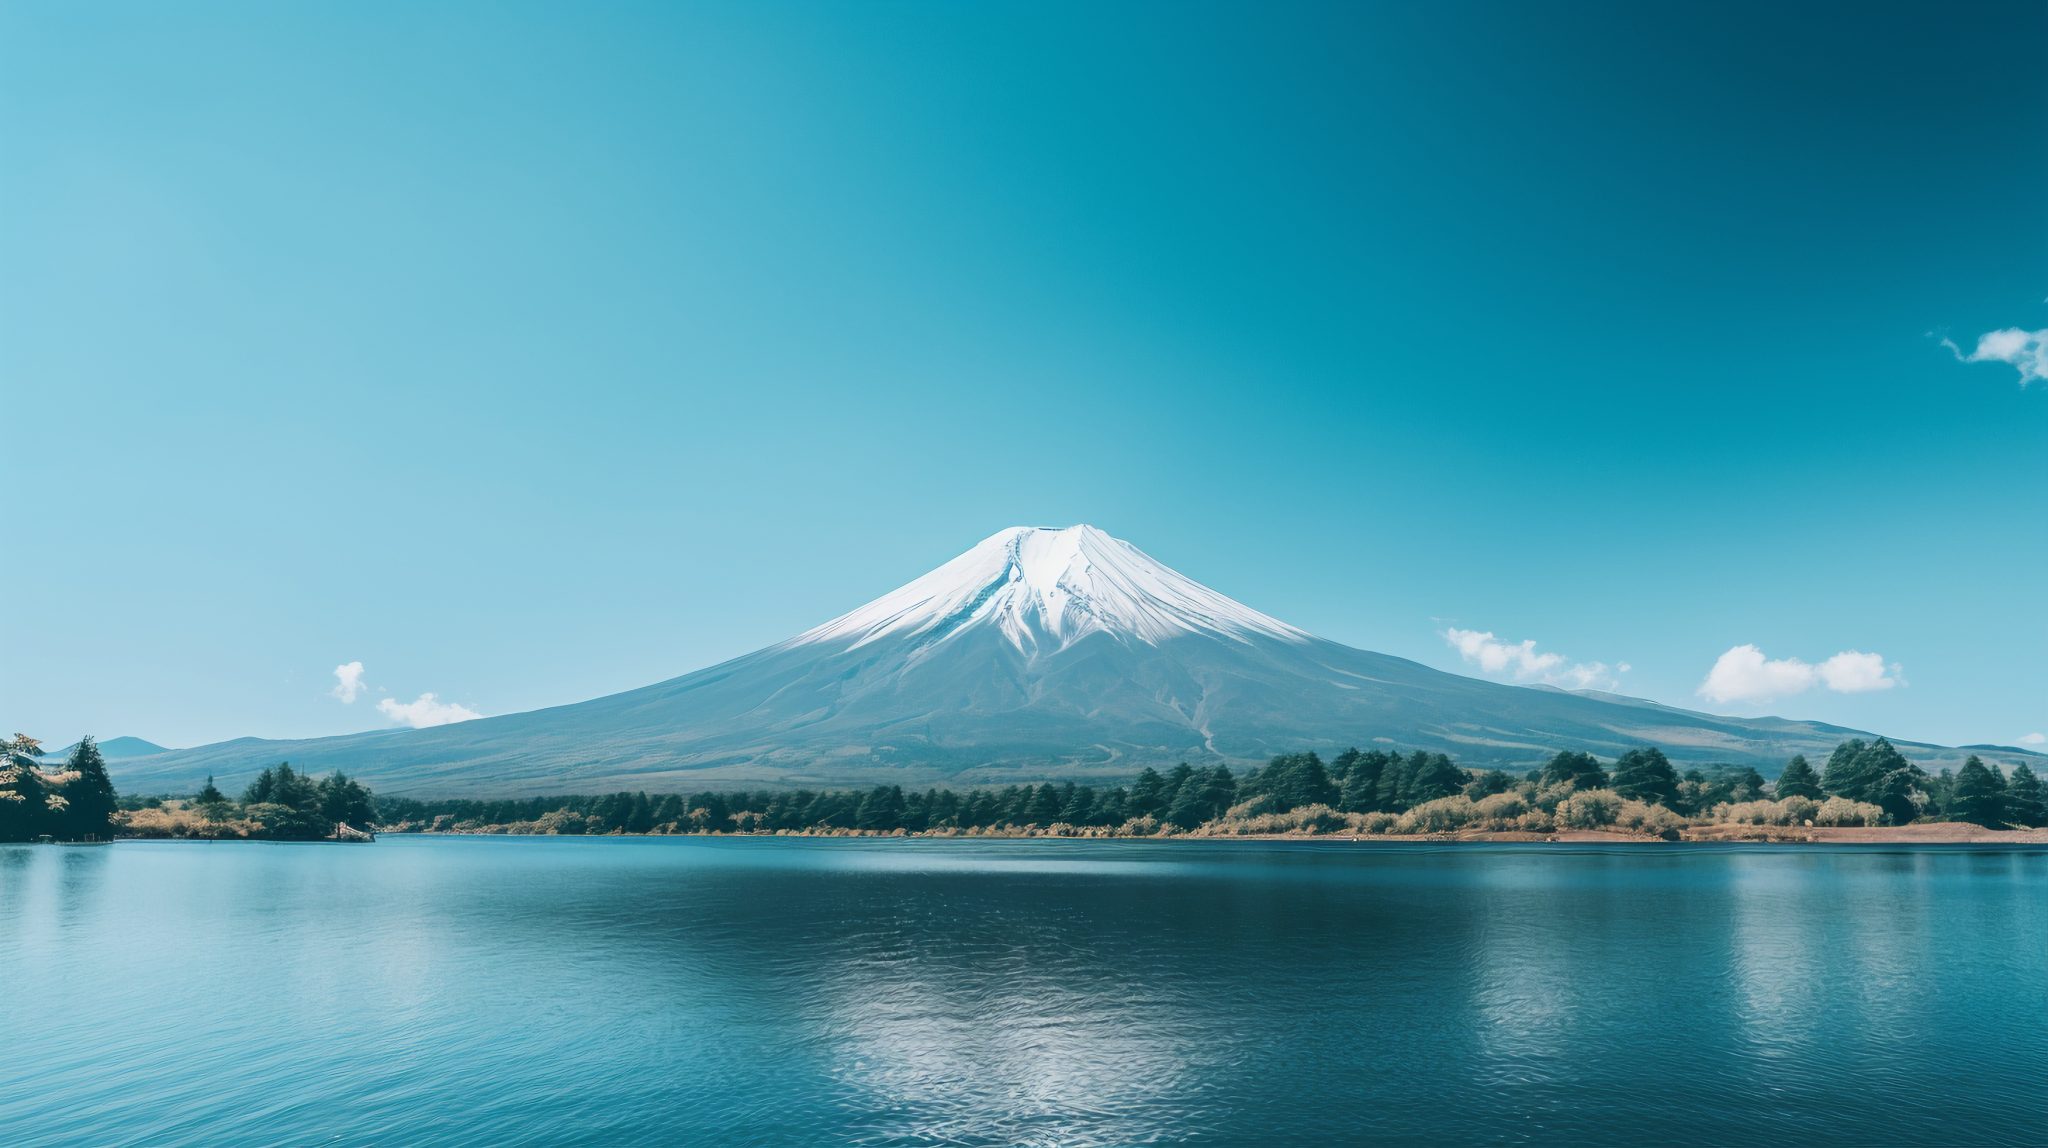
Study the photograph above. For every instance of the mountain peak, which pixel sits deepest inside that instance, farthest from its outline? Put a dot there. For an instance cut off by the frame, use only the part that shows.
(1044, 588)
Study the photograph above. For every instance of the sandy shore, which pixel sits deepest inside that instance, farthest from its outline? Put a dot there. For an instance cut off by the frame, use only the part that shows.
(1931, 833)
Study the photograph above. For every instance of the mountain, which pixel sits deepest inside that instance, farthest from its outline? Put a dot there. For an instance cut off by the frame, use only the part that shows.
(111, 748)
(1039, 653)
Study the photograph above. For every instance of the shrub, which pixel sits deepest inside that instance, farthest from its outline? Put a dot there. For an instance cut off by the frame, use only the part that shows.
(1444, 815)
(1318, 818)
(1842, 811)
(1652, 819)
(561, 822)
(1251, 807)
(1787, 811)
(183, 821)
(1550, 796)
(1377, 822)
(1500, 810)
(1536, 821)
(1592, 809)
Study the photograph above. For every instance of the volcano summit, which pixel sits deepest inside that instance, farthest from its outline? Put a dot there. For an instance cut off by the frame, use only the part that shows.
(1039, 653)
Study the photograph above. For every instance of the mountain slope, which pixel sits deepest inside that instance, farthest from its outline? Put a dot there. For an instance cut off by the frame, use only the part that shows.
(1038, 653)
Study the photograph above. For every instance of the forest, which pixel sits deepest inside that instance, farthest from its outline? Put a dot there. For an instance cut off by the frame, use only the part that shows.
(1358, 791)
(1373, 791)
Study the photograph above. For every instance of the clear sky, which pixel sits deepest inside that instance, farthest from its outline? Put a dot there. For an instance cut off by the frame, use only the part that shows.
(529, 352)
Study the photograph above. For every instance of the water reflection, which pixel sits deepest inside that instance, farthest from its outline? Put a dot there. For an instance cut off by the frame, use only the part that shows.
(433, 991)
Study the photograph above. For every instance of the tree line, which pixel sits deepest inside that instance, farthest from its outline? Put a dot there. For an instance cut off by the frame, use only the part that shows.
(74, 803)
(1371, 791)
(281, 804)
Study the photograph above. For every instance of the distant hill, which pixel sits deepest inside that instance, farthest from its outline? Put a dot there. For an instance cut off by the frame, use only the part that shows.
(1039, 654)
(113, 748)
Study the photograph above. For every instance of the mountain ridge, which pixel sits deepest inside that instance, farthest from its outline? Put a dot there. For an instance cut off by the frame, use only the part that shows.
(1037, 654)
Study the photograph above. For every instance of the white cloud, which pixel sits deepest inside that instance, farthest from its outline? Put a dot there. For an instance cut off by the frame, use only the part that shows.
(2034, 739)
(1525, 662)
(1855, 672)
(2026, 351)
(1744, 674)
(348, 682)
(425, 710)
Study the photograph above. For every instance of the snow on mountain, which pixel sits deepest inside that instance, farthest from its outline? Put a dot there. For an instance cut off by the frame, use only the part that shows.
(1044, 589)
(1039, 653)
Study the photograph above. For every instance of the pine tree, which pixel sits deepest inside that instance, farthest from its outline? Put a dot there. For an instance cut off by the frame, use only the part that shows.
(1079, 807)
(1293, 780)
(1359, 792)
(1188, 809)
(1798, 780)
(210, 794)
(1045, 806)
(260, 790)
(88, 794)
(1840, 777)
(1646, 775)
(1745, 785)
(640, 817)
(2024, 800)
(1175, 782)
(881, 808)
(1148, 795)
(1878, 773)
(1435, 776)
(1977, 798)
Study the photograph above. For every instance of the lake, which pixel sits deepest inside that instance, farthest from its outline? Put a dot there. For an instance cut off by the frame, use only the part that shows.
(814, 991)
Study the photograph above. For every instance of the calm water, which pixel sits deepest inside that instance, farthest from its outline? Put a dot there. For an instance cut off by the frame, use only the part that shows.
(427, 991)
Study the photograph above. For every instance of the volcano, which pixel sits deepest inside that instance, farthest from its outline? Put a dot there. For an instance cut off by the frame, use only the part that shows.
(1038, 654)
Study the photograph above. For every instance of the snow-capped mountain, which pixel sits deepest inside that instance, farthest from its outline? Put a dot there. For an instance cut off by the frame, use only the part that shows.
(1045, 589)
(1039, 653)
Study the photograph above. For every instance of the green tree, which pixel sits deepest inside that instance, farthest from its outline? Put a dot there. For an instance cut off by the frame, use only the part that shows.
(2025, 803)
(295, 789)
(1746, 784)
(89, 801)
(259, 791)
(1797, 779)
(1148, 795)
(1978, 797)
(881, 808)
(1878, 773)
(1045, 806)
(24, 795)
(1489, 783)
(343, 799)
(1433, 775)
(1219, 790)
(1582, 770)
(1188, 809)
(210, 794)
(1079, 806)
(1359, 792)
(1293, 780)
(1646, 775)
(1176, 781)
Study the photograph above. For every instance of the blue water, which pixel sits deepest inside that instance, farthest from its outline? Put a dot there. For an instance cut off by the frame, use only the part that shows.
(662, 991)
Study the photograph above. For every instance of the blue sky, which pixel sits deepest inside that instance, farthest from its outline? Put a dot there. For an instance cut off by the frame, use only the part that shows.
(525, 353)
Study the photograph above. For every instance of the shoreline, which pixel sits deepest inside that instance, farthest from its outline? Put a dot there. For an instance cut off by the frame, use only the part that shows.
(1931, 833)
